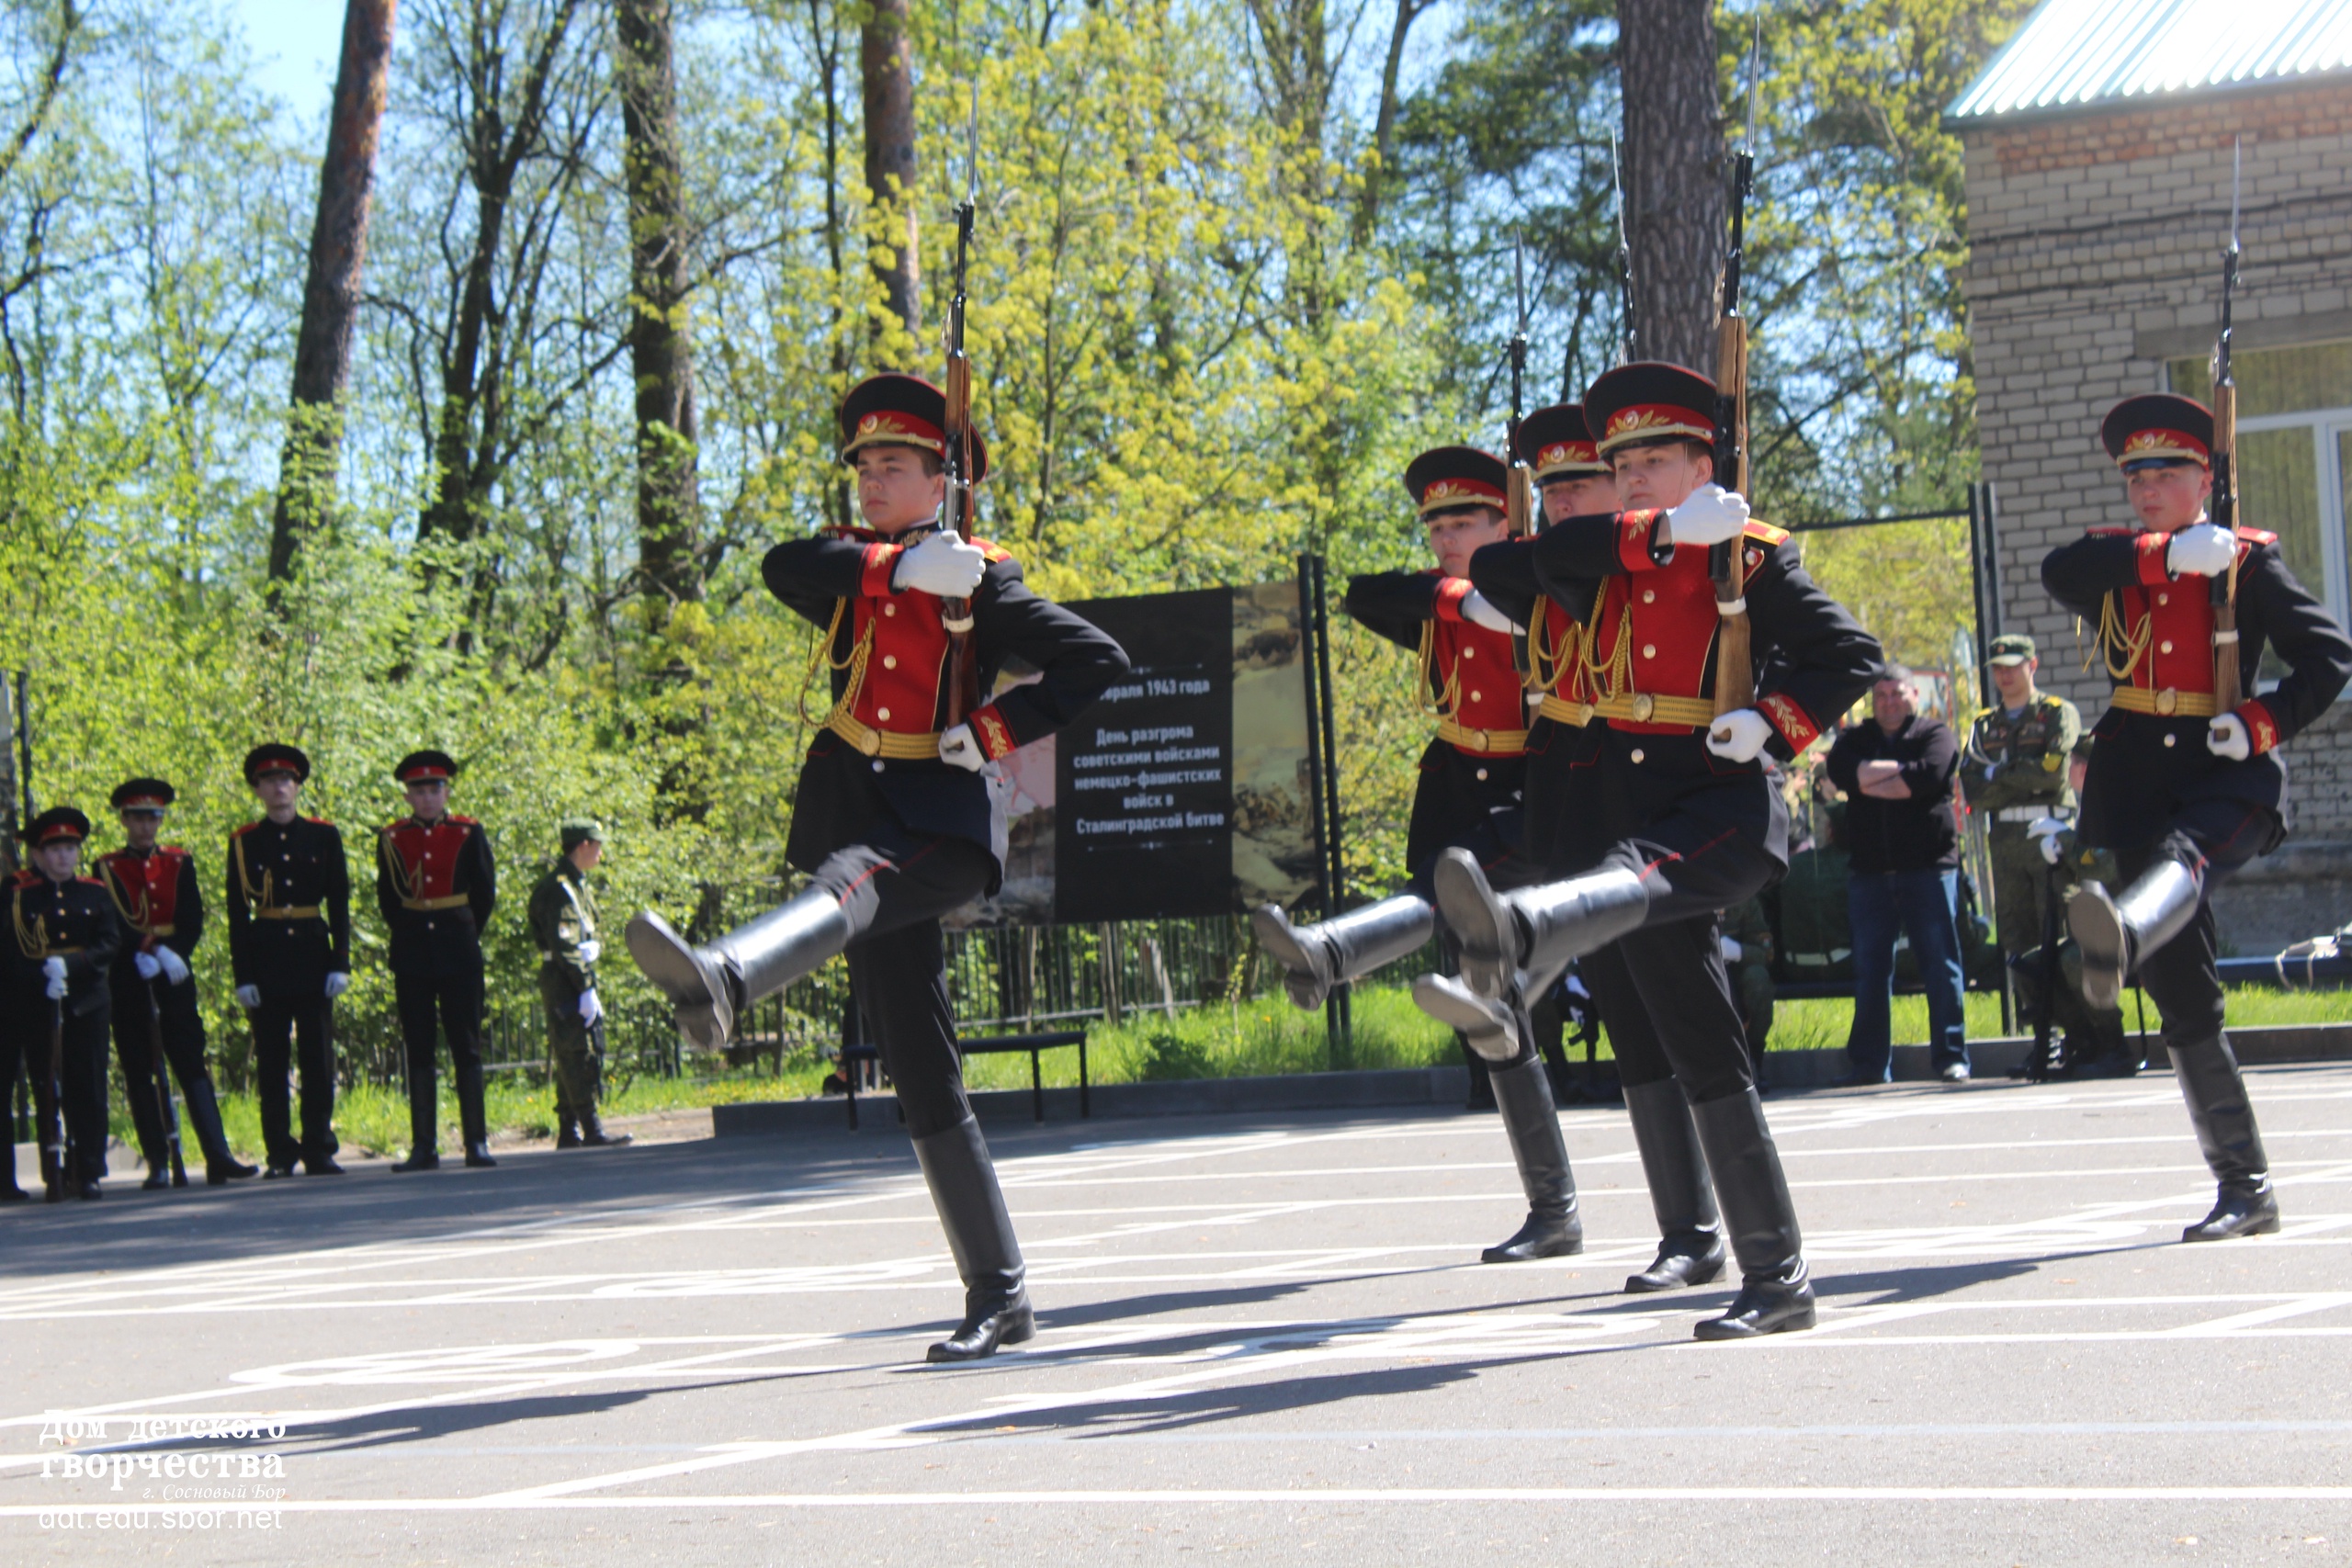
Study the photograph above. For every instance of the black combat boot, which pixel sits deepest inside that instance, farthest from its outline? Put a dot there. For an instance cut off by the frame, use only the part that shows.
(423, 1129)
(220, 1162)
(1691, 1248)
(1553, 1227)
(1535, 929)
(1317, 957)
(709, 985)
(2113, 933)
(566, 1133)
(1775, 1292)
(2218, 1109)
(956, 1169)
(592, 1135)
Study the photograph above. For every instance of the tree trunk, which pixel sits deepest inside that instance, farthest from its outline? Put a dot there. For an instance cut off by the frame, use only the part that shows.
(885, 58)
(331, 298)
(660, 355)
(1383, 173)
(1675, 176)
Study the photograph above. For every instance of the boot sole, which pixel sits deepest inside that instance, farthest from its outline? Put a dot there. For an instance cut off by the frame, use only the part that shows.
(1470, 910)
(669, 961)
(1019, 1329)
(1510, 1253)
(2097, 931)
(1718, 1330)
(1280, 939)
(1466, 1013)
(1652, 1282)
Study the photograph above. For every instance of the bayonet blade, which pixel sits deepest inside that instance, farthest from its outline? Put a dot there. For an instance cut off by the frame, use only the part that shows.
(2237, 155)
(1755, 73)
(972, 147)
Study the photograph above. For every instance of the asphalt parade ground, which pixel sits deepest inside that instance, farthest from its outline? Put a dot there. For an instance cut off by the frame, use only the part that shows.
(1269, 1340)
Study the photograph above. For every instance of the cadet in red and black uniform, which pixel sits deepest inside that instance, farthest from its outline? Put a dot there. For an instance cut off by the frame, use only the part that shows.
(892, 821)
(290, 952)
(64, 939)
(155, 891)
(436, 882)
(1671, 816)
(2183, 792)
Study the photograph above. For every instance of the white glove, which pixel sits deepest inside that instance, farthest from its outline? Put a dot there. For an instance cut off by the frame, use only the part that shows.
(1739, 735)
(249, 997)
(337, 983)
(1478, 609)
(146, 966)
(1732, 950)
(591, 1009)
(2203, 549)
(2228, 738)
(960, 747)
(54, 969)
(1711, 515)
(175, 966)
(943, 564)
(590, 949)
(2044, 832)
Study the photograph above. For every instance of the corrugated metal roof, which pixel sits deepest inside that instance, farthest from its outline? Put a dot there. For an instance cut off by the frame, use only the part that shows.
(2073, 54)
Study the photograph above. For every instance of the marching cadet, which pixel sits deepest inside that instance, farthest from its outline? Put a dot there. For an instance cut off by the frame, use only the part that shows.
(156, 1021)
(66, 938)
(1673, 815)
(436, 882)
(2186, 788)
(563, 926)
(290, 952)
(892, 821)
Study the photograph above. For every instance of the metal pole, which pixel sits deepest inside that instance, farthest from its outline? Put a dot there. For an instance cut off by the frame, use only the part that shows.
(1338, 875)
(1309, 664)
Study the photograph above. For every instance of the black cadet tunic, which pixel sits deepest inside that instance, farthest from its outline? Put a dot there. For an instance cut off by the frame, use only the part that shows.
(289, 908)
(435, 885)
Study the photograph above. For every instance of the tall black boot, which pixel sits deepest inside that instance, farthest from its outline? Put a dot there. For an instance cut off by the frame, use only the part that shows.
(2113, 933)
(1691, 1250)
(473, 1115)
(1553, 1227)
(220, 1162)
(962, 1179)
(423, 1130)
(1775, 1292)
(1317, 957)
(1535, 929)
(2218, 1109)
(709, 985)
(1488, 1026)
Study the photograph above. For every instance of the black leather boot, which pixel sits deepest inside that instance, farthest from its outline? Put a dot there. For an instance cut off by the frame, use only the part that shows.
(1691, 1248)
(1775, 1292)
(956, 1169)
(709, 985)
(424, 1120)
(592, 1135)
(1553, 1227)
(220, 1163)
(567, 1133)
(2219, 1109)
(1488, 1027)
(2113, 933)
(1537, 929)
(478, 1154)
(1317, 957)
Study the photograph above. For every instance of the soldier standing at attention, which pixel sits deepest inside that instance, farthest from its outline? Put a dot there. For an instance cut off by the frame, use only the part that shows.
(563, 927)
(2015, 771)
(155, 891)
(2186, 789)
(65, 938)
(436, 882)
(892, 822)
(290, 952)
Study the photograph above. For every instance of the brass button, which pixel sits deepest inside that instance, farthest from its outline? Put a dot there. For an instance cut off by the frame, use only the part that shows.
(882, 714)
(2169, 699)
(889, 661)
(1649, 650)
(1477, 697)
(889, 609)
(1469, 653)
(2163, 646)
(877, 767)
(1637, 753)
(2164, 598)
(1482, 775)
(1644, 705)
(2171, 738)
(1649, 595)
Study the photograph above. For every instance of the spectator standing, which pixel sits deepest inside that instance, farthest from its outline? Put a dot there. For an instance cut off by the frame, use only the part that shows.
(563, 925)
(1897, 774)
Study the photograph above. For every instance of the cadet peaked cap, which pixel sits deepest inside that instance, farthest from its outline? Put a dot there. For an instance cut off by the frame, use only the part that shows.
(1647, 401)
(2158, 427)
(426, 767)
(579, 830)
(277, 758)
(2015, 647)
(1445, 478)
(142, 795)
(897, 409)
(58, 825)
(1557, 443)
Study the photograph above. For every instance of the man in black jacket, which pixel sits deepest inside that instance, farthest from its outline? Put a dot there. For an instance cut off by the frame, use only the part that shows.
(65, 938)
(892, 822)
(2186, 784)
(1896, 771)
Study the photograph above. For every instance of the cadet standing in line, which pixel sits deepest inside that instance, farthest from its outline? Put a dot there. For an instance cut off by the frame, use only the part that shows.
(436, 882)
(65, 938)
(563, 927)
(155, 890)
(892, 821)
(290, 952)
(2184, 792)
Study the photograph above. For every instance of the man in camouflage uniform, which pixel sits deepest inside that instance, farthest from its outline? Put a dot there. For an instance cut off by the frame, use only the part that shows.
(563, 927)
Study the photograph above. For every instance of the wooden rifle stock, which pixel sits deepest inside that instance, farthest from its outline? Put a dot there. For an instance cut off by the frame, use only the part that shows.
(963, 661)
(2225, 587)
(1734, 654)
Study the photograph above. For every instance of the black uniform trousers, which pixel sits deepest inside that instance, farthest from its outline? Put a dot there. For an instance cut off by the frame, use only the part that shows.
(287, 1029)
(134, 1048)
(448, 1006)
(2212, 838)
(894, 887)
(85, 1088)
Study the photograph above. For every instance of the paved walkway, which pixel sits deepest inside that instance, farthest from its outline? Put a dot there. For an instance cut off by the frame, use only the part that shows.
(1269, 1341)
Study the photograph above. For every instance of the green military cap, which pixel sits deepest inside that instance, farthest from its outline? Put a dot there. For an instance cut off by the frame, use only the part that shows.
(2012, 647)
(579, 830)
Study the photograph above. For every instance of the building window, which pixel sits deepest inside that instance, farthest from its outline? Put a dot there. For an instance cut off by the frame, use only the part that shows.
(2294, 459)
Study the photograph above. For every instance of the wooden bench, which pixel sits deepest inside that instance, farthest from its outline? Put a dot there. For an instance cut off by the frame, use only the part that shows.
(988, 1045)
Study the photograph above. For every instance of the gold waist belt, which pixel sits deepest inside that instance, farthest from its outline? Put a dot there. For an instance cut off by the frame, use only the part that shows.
(429, 905)
(2170, 702)
(1640, 708)
(1488, 743)
(286, 912)
(163, 929)
(896, 744)
(1559, 710)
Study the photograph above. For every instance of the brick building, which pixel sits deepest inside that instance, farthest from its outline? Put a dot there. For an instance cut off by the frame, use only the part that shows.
(2098, 153)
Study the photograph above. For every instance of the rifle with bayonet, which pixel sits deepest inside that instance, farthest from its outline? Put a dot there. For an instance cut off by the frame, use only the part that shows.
(1727, 563)
(159, 1066)
(964, 677)
(1519, 487)
(2224, 508)
(1626, 354)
